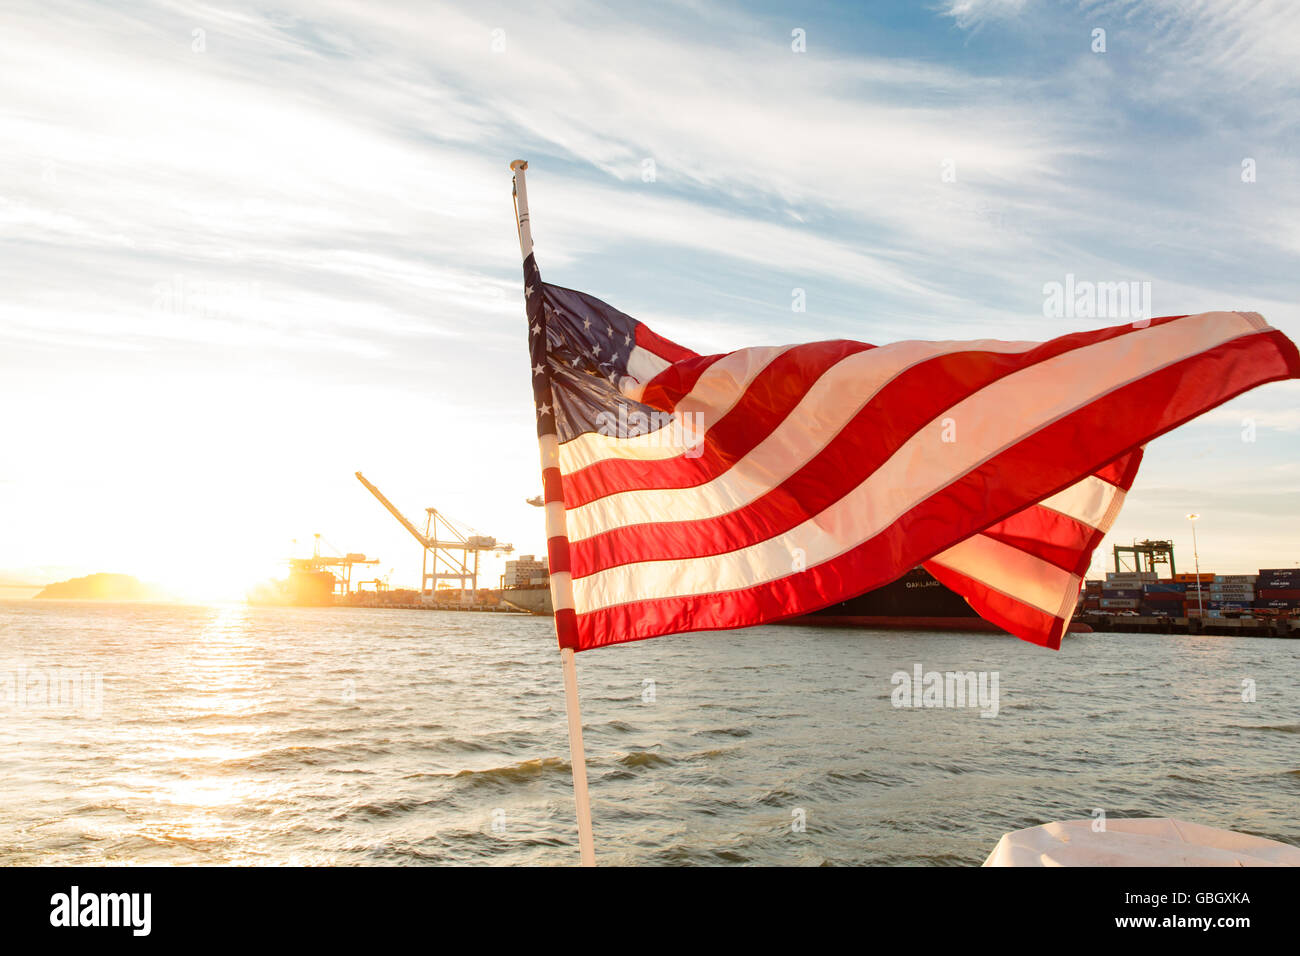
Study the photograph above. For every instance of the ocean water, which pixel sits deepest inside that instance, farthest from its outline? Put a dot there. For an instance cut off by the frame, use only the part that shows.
(237, 735)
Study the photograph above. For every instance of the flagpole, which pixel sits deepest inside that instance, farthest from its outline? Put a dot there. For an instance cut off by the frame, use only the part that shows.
(557, 537)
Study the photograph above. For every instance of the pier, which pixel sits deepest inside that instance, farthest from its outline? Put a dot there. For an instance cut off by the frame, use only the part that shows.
(1217, 626)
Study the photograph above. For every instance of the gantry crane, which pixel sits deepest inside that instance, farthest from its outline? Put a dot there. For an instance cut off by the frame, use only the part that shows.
(438, 549)
(1154, 552)
(319, 566)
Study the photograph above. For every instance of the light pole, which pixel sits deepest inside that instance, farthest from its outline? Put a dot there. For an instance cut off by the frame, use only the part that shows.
(1196, 559)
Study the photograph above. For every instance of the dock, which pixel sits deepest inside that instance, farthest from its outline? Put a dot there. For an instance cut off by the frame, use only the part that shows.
(1217, 626)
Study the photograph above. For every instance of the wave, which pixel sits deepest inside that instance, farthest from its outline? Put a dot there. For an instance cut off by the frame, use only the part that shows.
(511, 773)
(645, 758)
(1280, 728)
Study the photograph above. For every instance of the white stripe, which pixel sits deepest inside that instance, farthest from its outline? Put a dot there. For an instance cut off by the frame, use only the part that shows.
(830, 404)
(715, 392)
(642, 366)
(989, 421)
(561, 591)
(1017, 574)
(1088, 502)
(549, 446)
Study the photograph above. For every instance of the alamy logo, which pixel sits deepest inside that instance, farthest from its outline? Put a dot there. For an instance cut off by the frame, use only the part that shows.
(75, 908)
(683, 430)
(52, 689)
(949, 689)
(1096, 300)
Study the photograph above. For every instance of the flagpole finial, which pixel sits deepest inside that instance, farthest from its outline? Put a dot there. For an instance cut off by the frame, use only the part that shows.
(519, 164)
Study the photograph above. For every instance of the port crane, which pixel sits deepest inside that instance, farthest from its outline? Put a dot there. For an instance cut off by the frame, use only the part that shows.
(1146, 552)
(453, 551)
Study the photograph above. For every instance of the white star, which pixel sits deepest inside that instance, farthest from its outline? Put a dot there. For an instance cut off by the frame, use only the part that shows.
(610, 330)
(537, 328)
(545, 409)
(537, 369)
(528, 290)
(586, 324)
(627, 340)
(595, 350)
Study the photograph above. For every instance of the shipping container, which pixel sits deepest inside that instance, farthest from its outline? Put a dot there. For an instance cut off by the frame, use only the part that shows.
(1119, 602)
(1204, 576)
(1122, 593)
(1291, 594)
(1235, 578)
(1227, 605)
(1162, 600)
(1166, 587)
(1279, 603)
(1273, 581)
(1293, 573)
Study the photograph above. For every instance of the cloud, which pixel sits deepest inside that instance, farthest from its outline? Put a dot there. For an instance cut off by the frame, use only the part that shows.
(970, 14)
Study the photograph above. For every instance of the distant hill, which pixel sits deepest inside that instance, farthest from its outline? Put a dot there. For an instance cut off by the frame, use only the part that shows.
(101, 587)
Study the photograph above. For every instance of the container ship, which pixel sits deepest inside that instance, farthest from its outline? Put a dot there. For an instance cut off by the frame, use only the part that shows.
(317, 581)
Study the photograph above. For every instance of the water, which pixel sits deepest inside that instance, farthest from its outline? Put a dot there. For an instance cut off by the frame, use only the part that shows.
(234, 735)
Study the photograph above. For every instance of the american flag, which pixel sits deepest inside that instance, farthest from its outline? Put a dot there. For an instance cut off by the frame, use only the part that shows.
(702, 492)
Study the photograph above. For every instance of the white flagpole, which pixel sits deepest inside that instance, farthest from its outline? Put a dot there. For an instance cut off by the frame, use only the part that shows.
(556, 531)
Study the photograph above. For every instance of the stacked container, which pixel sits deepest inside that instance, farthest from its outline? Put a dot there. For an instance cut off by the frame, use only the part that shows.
(1122, 591)
(1163, 599)
(1278, 592)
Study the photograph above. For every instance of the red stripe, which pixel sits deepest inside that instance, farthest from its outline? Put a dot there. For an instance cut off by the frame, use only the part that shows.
(1122, 470)
(566, 628)
(773, 394)
(557, 554)
(1045, 463)
(928, 387)
(1045, 534)
(552, 485)
(652, 342)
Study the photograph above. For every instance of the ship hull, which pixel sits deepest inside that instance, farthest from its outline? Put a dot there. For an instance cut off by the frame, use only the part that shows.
(533, 600)
(920, 623)
(915, 602)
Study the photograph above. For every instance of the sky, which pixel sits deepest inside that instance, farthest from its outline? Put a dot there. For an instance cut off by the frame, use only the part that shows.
(251, 249)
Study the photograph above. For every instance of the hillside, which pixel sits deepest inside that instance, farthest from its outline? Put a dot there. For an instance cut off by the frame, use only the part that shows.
(101, 587)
